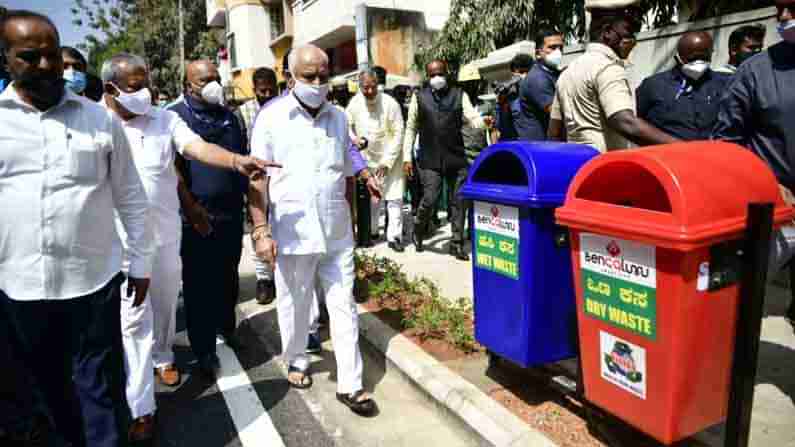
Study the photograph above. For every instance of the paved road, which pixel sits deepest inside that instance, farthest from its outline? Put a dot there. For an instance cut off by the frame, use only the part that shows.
(252, 404)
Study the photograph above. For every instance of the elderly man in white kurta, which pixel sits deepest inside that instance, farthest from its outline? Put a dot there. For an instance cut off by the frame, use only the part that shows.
(307, 230)
(376, 118)
(155, 136)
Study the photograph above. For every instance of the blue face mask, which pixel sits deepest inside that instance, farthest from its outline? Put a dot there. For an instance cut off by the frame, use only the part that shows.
(75, 80)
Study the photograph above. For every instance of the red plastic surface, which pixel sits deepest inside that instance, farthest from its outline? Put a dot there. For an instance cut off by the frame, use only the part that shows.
(688, 366)
(682, 196)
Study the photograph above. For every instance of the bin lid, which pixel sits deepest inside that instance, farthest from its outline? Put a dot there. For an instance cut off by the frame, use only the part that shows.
(679, 196)
(527, 174)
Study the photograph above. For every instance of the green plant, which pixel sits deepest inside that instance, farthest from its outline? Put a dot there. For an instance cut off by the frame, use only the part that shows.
(424, 310)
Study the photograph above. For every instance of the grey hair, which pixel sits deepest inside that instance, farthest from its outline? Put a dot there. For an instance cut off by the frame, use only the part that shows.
(368, 73)
(110, 68)
(292, 60)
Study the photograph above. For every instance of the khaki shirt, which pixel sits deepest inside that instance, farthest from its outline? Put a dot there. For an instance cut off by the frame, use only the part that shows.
(592, 89)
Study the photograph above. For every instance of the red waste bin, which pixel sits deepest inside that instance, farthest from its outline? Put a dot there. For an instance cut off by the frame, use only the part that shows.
(655, 235)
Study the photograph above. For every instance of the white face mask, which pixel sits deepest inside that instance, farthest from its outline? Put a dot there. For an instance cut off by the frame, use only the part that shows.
(213, 93)
(138, 103)
(787, 30)
(695, 69)
(438, 82)
(311, 95)
(554, 60)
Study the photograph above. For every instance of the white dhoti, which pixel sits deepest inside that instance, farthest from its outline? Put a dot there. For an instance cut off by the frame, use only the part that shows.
(148, 331)
(295, 289)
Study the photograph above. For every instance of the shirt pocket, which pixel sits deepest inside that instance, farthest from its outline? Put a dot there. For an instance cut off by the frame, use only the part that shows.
(86, 159)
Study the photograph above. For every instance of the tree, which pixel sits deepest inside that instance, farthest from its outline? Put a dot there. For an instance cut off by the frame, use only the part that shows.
(148, 28)
(477, 27)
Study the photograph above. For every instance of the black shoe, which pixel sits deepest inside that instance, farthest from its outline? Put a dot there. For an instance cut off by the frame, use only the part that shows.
(313, 345)
(266, 291)
(375, 237)
(418, 242)
(209, 366)
(458, 252)
(397, 246)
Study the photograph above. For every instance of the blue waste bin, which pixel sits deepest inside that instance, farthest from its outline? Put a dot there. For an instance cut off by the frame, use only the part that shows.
(523, 288)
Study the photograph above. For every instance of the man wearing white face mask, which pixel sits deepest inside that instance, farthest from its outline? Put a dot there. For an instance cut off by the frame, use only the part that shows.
(212, 207)
(757, 112)
(156, 136)
(303, 223)
(683, 101)
(537, 90)
(437, 113)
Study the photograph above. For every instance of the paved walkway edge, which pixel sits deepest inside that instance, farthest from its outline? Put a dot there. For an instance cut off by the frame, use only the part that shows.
(493, 422)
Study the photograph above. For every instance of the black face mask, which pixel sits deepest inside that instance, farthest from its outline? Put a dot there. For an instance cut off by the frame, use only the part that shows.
(44, 88)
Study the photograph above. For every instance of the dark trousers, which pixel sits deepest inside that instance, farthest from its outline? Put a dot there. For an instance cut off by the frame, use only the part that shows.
(68, 347)
(211, 283)
(363, 230)
(17, 401)
(432, 188)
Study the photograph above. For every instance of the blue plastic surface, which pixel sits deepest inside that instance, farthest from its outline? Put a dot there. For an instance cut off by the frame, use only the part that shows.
(531, 320)
(550, 168)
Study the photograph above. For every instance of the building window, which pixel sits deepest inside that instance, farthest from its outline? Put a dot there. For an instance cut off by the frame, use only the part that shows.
(277, 21)
(230, 42)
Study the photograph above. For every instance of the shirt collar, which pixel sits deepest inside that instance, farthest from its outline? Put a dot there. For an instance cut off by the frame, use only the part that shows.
(10, 95)
(605, 50)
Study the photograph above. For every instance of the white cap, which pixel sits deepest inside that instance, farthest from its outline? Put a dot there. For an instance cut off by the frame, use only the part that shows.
(609, 4)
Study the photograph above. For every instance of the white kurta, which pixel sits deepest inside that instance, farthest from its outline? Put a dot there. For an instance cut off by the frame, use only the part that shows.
(148, 331)
(311, 224)
(382, 124)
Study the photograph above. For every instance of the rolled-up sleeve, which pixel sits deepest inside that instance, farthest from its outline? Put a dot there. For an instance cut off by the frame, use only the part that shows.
(734, 110)
(614, 92)
(131, 204)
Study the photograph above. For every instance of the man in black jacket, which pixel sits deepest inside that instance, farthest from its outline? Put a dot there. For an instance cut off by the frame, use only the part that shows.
(438, 113)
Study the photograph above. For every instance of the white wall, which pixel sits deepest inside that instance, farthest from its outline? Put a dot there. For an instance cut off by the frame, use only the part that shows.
(251, 25)
(656, 49)
(317, 19)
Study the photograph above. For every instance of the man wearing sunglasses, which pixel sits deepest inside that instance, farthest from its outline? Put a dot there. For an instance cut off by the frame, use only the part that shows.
(594, 99)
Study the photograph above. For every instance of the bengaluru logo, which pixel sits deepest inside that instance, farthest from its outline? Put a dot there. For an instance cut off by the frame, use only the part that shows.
(495, 216)
(613, 249)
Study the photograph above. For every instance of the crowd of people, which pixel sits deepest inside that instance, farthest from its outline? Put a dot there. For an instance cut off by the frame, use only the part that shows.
(115, 199)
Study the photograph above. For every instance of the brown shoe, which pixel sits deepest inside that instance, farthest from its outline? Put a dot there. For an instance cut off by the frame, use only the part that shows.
(168, 375)
(142, 429)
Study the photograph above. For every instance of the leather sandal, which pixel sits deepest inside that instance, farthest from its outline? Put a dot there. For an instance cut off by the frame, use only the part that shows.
(304, 382)
(364, 407)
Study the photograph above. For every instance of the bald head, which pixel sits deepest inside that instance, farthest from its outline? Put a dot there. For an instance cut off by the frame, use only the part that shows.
(436, 68)
(695, 46)
(197, 75)
(309, 64)
(16, 24)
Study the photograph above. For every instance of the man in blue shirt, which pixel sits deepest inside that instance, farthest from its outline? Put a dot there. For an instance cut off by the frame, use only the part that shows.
(756, 112)
(683, 101)
(537, 90)
(509, 114)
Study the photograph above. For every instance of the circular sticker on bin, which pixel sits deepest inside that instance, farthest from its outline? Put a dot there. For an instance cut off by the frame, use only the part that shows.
(619, 283)
(497, 239)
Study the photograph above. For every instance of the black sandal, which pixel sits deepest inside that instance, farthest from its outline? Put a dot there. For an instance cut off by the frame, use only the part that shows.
(365, 407)
(305, 382)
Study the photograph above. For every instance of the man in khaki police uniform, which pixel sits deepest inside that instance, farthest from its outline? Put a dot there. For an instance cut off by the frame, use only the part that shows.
(594, 103)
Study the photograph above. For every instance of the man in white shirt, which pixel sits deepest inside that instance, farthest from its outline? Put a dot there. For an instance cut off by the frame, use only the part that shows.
(376, 126)
(156, 136)
(65, 165)
(310, 220)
